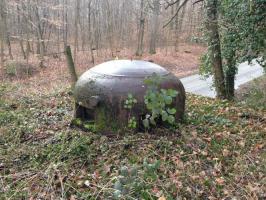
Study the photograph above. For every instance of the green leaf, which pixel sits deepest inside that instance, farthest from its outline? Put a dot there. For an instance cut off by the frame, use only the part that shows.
(153, 96)
(163, 91)
(146, 123)
(117, 194)
(172, 93)
(118, 186)
(171, 119)
(124, 171)
(171, 111)
(164, 116)
(153, 121)
(168, 100)
(130, 96)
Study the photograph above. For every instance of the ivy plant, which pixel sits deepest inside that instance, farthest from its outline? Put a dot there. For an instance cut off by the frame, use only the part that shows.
(129, 103)
(135, 180)
(241, 27)
(158, 102)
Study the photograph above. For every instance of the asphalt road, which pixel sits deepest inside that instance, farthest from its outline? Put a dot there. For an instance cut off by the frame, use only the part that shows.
(198, 85)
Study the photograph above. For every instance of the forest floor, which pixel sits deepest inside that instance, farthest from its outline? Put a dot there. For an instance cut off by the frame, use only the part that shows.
(217, 152)
(182, 63)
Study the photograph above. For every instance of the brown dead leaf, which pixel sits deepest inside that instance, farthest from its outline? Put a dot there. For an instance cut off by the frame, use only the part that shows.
(242, 143)
(194, 134)
(226, 152)
(208, 139)
(162, 198)
(179, 163)
(72, 197)
(220, 181)
(259, 147)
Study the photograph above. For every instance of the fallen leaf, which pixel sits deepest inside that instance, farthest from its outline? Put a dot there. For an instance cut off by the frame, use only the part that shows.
(242, 143)
(226, 152)
(87, 183)
(220, 181)
(72, 197)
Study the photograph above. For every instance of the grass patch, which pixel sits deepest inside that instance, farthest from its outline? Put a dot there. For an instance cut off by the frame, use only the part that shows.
(253, 94)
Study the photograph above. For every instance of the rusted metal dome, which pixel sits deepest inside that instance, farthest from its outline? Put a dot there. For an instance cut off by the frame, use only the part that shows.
(101, 92)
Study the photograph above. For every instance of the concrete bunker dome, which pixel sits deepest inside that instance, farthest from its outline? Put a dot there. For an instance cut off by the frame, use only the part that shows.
(100, 92)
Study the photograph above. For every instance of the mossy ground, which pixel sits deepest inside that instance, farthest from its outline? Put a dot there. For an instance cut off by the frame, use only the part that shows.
(217, 152)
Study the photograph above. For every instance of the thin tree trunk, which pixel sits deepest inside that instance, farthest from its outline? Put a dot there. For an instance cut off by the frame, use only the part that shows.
(110, 28)
(20, 34)
(214, 47)
(78, 110)
(90, 38)
(71, 66)
(39, 33)
(154, 26)
(25, 21)
(230, 78)
(2, 50)
(2, 34)
(9, 45)
(141, 30)
(65, 26)
(77, 22)
(177, 28)
(6, 33)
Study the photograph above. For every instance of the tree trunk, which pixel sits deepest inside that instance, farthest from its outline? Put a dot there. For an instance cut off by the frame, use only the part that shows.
(65, 26)
(77, 22)
(2, 34)
(214, 47)
(90, 38)
(71, 66)
(154, 26)
(9, 44)
(20, 34)
(230, 78)
(177, 28)
(39, 33)
(2, 48)
(230, 84)
(141, 30)
(6, 34)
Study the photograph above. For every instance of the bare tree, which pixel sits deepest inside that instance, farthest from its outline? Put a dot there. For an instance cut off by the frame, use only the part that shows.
(2, 33)
(5, 31)
(154, 25)
(77, 23)
(141, 30)
(20, 33)
(44, 27)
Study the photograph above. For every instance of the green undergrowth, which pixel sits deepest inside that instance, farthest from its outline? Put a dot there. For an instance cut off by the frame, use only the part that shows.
(217, 152)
